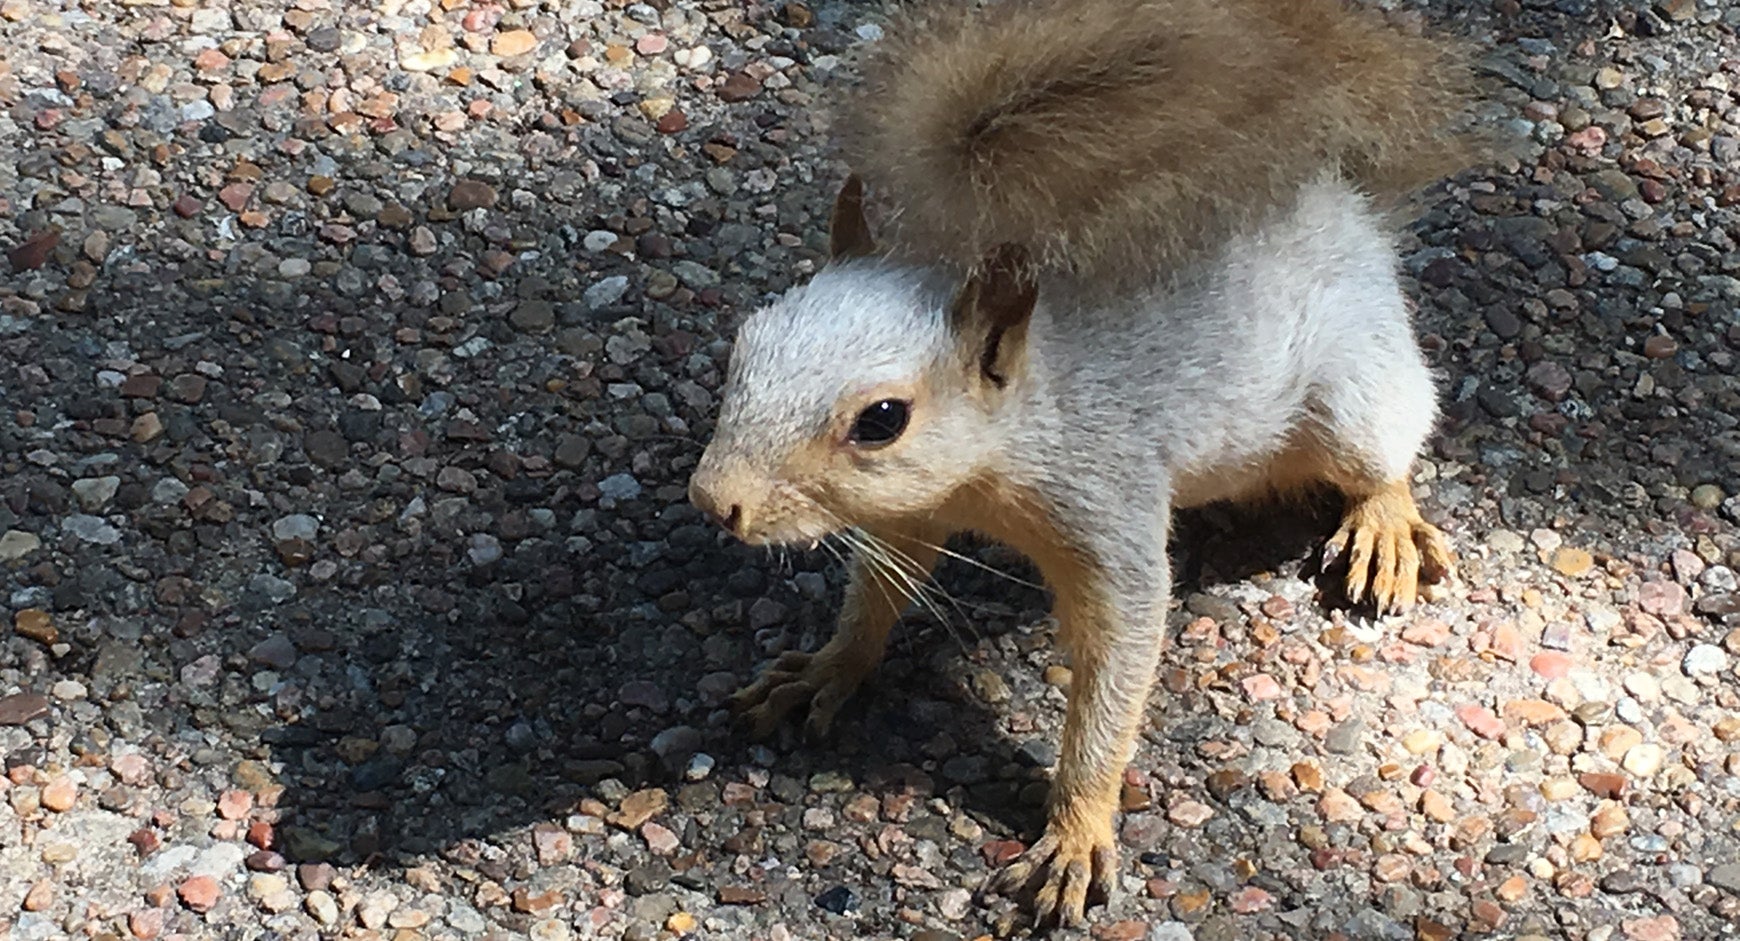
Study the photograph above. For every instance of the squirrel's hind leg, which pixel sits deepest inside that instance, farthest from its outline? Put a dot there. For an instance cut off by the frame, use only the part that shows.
(887, 571)
(1365, 431)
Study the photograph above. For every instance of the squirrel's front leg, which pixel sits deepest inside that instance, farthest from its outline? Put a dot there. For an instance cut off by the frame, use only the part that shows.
(886, 571)
(1112, 625)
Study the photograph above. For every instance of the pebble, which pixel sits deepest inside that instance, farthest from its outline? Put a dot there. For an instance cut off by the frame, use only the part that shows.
(1190, 813)
(605, 292)
(60, 794)
(1704, 660)
(1644, 760)
(16, 545)
(199, 893)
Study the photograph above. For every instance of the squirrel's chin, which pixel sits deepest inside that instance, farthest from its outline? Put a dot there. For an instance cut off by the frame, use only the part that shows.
(787, 540)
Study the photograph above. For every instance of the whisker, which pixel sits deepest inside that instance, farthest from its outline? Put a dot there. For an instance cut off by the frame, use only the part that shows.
(991, 569)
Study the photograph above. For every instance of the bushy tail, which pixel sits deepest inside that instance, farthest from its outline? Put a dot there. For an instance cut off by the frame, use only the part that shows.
(1122, 135)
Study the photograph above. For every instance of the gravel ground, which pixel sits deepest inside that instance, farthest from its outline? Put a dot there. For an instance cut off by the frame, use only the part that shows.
(352, 361)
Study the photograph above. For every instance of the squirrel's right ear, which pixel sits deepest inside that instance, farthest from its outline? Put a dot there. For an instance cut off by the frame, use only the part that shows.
(992, 310)
(848, 233)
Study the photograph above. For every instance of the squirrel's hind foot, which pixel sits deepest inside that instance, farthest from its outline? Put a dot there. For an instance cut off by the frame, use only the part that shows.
(1066, 871)
(797, 679)
(1390, 551)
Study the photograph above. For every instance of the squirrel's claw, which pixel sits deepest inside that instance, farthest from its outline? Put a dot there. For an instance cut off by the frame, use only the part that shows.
(1063, 874)
(794, 680)
(1390, 551)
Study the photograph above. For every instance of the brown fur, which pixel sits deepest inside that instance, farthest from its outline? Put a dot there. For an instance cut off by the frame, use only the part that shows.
(1119, 136)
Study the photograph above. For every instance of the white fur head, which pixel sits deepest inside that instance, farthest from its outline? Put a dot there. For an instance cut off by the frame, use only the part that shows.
(865, 396)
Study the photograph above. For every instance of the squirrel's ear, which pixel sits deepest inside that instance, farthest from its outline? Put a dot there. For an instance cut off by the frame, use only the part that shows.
(993, 308)
(848, 233)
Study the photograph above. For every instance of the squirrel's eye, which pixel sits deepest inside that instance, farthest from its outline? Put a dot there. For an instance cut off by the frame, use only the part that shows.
(880, 423)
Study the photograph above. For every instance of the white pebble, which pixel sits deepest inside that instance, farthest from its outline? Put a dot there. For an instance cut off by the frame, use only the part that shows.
(700, 766)
(1705, 660)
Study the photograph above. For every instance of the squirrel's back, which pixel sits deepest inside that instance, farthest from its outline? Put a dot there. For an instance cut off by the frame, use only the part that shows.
(1113, 136)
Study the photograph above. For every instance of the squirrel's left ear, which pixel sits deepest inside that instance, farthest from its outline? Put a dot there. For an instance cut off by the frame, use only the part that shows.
(848, 233)
(993, 308)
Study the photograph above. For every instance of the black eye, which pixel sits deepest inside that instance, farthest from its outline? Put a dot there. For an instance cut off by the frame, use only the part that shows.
(880, 423)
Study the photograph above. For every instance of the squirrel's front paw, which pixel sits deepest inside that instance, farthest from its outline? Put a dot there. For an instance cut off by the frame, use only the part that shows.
(1390, 551)
(1070, 865)
(823, 682)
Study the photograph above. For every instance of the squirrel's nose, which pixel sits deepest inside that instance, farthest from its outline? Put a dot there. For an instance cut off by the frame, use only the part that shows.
(706, 499)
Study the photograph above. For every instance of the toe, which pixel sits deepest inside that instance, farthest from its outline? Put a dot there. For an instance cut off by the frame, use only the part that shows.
(824, 707)
(1359, 565)
(1407, 574)
(1105, 871)
(1383, 580)
(1072, 906)
(1047, 900)
(1436, 559)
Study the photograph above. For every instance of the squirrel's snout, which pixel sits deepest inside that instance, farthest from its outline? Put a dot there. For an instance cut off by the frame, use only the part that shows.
(704, 493)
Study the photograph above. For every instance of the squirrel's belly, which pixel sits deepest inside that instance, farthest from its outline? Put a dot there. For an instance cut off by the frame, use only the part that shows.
(1255, 477)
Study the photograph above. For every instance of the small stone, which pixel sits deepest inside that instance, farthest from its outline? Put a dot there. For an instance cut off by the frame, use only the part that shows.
(199, 893)
(1644, 760)
(739, 86)
(639, 807)
(659, 838)
(1659, 928)
(1480, 721)
(1512, 889)
(1261, 686)
(606, 292)
(990, 686)
(1704, 660)
(1308, 776)
(94, 493)
(741, 895)
(1337, 806)
(1190, 813)
(1427, 632)
(146, 428)
(467, 195)
(516, 42)
(40, 896)
(1550, 664)
(1609, 821)
(236, 195)
(36, 624)
(16, 545)
(60, 794)
(1604, 785)
(1245, 901)
(1437, 807)
(322, 906)
(235, 804)
(1662, 598)
(838, 900)
(1572, 562)
(431, 61)
(1391, 867)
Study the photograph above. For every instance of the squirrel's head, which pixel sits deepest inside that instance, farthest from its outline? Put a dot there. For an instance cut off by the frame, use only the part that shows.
(869, 394)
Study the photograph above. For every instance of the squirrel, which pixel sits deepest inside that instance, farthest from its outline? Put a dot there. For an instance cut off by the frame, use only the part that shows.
(1139, 260)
